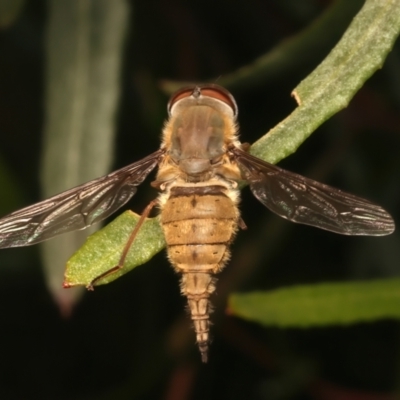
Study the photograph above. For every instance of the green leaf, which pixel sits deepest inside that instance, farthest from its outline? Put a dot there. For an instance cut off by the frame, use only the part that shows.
(84, 53)
(330, 87)
(327, 90)
(103, 249)
(288, 55)
(320, 305)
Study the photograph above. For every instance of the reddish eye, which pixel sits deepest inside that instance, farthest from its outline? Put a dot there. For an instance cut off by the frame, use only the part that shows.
(210, 90)
(179, 95)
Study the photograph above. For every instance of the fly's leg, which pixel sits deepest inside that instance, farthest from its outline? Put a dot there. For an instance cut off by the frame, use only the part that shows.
(127, 246)
(245, 147)
(242, 224)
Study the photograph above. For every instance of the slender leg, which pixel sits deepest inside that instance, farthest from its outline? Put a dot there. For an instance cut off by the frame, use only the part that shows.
(242, 224)
(127, 246)
(245, 147)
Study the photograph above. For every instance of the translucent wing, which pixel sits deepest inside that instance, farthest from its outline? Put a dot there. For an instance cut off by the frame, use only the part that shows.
(76, 208)
(305, 201)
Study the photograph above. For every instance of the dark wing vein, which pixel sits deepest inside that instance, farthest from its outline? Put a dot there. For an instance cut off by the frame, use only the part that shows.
(76, 208)
(309, 202)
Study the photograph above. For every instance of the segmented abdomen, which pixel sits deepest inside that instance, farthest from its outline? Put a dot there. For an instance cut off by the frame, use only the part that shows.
(199, 223)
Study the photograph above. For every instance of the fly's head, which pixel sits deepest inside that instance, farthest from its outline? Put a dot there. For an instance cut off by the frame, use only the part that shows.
(201, 125)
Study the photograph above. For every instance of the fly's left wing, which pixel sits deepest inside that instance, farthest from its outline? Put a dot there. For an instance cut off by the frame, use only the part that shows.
(76, 208)
(309, 202)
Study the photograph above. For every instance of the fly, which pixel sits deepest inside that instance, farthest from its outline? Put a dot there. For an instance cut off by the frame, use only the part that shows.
(200, 163)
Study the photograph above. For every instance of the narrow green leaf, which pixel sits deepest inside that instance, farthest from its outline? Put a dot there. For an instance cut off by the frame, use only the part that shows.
(320, 305)
(103, 249)
(84, 47)
(288, 55)
(330, 87)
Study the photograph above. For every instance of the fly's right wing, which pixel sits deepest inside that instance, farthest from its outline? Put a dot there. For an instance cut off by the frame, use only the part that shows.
(76, 208)
(305, 201)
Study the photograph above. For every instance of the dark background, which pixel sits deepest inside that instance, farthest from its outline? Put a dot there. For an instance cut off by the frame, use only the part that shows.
(131, 339)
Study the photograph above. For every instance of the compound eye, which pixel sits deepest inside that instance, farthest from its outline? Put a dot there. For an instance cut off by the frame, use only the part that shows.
(180, 94)
(219, 93)
(208, 90)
